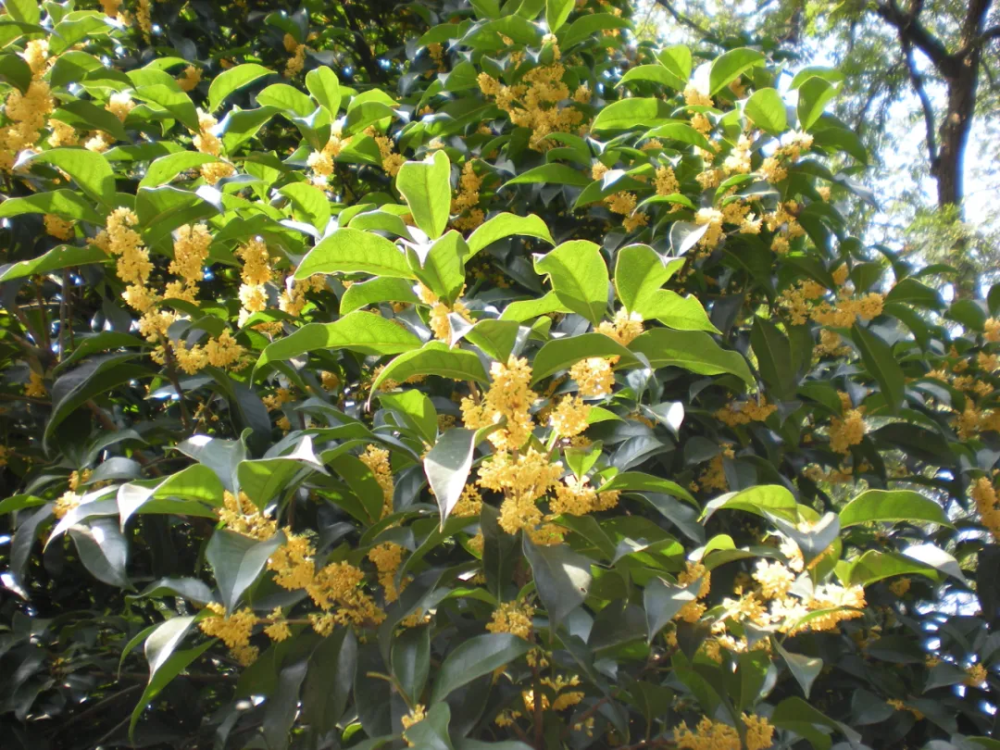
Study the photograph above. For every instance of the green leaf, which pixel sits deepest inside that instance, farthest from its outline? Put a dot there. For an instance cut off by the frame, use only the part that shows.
(475, 657)
(662, 600)
(586, 27)
(97, 376)
(774, 358)
(411, 661)
(677, 60)
(679, 131)
(175, 664)
(579, 277)
(426, 187)
(882, 365)
(551, 174)
(766, 498)
(432, 732)
(265, 478)
(639, 273)
(626, 114)
(800, 717)
(352, 251)
(164, 169)
(730, 66)
(443, 269)
(323, 85)
(655, 73)
(180, 493)
(68, 204)
(330, 680)
(417, 411)
(64, 256)
(447, 467)
(89, 170)
(237, 561)
(529, 309)
(230, 80)
(505, 225)
(767, 111)
(677, 312)
(15, 71)
(358, 331)
(495, 337)
(286, 98)
(636, 481)
(561, 576)
(362, 482)
(434, 358)
(173, 100)
(813, 97)
(26, 11)
(805, 669)
(556, 13)
(102, 550)
(692, 350)
(891, 506)
(561, 354)
(874, 566)
(382, 289)
(309, 203)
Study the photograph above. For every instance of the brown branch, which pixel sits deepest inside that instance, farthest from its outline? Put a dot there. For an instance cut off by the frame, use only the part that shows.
(910, 28)
(917, 79)
(171, 361)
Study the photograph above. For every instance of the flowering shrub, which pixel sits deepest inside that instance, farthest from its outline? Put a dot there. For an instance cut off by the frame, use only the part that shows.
(529, 391)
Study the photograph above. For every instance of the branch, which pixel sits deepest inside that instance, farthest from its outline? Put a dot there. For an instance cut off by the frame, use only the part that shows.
(915, 33)
(925, 101)
(685, 20)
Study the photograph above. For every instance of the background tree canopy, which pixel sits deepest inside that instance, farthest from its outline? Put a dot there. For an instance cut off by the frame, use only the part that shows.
(459, 375)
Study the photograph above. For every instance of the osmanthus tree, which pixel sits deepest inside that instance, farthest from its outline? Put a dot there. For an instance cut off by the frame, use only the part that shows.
(535, 397)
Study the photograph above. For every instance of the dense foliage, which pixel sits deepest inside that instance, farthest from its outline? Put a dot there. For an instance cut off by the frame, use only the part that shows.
(463, 375)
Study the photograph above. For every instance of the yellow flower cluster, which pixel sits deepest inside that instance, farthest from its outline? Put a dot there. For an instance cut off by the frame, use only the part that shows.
(208, 143)
(234, 630)
(512, 617)
(774, 578)
(58, 227)
(133, 265)
(570, 417)
(256, 272)
(321, 162)
(66, 502)
(624, 329)
(239, 514)
(470, 503)
(714, 735)
(391, 161)
(35, 387)
(692, 611)
(593, 376)
(509, 397)
(534, 103)
(191, 245)
(849, 429)
(296, 62)
(975, 675)
(666, 181)
(76, 478)
(467, 200)
(624, 203)
(745, 412)
(377, 459)
(987, 504)
(190, 78)
(28, 111)
(575, 497)
(439, 323)
(523, 480)
(387, 557)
